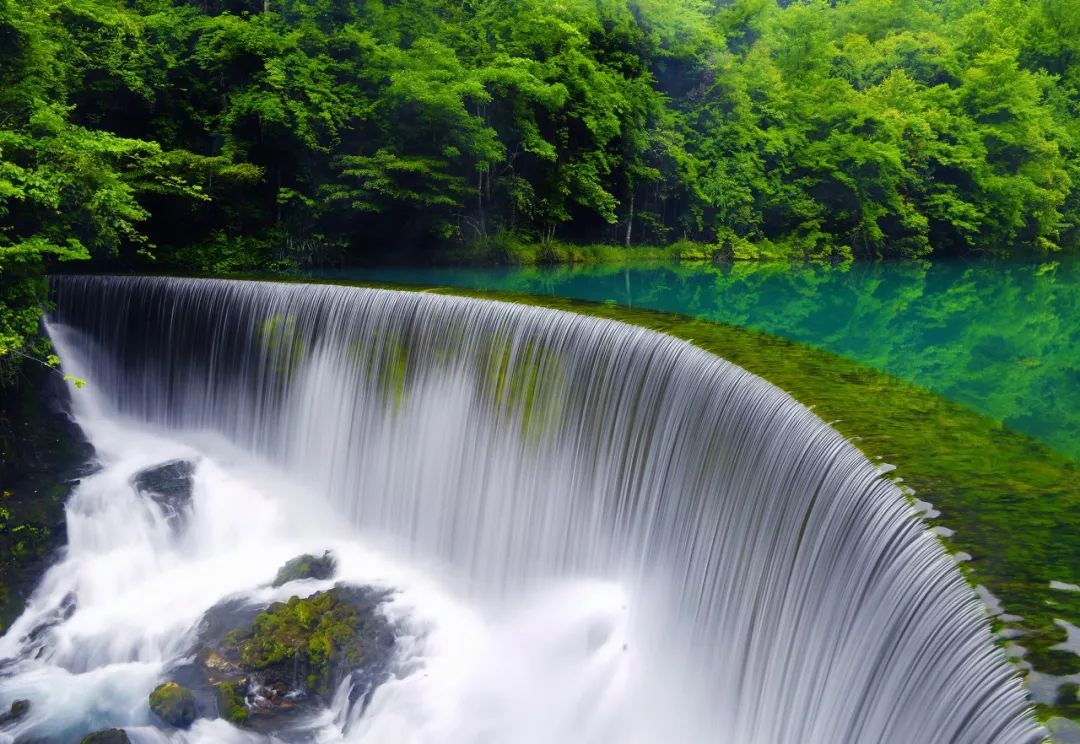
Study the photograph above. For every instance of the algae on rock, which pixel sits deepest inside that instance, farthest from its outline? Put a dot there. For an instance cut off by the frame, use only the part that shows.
(173, 704)
(311, 638)
(230, 700)
(306, 566)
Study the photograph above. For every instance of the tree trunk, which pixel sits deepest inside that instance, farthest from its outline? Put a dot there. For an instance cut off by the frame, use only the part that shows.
(480, 204)
(630, 220)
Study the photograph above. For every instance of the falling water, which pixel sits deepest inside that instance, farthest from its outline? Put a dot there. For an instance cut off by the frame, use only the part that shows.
(593, 532)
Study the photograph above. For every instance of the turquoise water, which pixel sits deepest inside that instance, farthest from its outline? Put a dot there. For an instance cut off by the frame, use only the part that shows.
(1002, 338)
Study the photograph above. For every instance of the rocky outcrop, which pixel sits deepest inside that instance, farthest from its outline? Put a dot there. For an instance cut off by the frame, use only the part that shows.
(265, 667)
(306, 566)
(43, 454)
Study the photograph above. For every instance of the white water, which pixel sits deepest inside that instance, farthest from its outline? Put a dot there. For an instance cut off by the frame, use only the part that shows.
(594, 533)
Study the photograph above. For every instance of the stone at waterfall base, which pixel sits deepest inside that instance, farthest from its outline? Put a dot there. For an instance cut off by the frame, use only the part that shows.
(306, 566)
(109, 736)
(268, 668)
(173, 704)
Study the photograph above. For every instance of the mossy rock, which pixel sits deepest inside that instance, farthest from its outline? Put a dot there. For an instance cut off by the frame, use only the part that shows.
(173, 704)
(108, 736)
(269, 668)
(306, 566)
(308, 639)
(18, 710)
(230, 700)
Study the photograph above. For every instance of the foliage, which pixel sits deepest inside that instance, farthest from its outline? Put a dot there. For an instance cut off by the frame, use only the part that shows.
(67, 191)
(215, 136)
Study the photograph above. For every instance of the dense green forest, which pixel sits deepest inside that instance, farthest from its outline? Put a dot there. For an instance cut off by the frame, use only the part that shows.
(231, 135)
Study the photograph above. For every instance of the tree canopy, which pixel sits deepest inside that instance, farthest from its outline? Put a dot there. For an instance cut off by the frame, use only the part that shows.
(222, 135)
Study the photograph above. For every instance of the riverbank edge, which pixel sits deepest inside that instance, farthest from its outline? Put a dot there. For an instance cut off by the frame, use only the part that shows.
(513, 252)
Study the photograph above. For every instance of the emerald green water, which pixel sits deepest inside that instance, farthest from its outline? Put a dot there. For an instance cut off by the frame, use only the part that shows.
(1002, 338)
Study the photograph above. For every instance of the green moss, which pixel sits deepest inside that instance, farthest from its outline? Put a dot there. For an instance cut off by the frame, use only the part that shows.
(173, 704)
(509, 249)
(316, 635)
(283, 342)
(1056, 662)
(306, 566)
(525, 381)
(230, 700)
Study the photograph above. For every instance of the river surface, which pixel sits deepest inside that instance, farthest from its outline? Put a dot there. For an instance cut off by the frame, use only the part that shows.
(1001, 337)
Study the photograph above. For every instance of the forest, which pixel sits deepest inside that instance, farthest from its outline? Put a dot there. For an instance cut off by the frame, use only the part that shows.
(224, 136)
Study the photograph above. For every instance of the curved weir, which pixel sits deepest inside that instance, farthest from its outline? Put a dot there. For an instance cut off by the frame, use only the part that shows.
(658, 545)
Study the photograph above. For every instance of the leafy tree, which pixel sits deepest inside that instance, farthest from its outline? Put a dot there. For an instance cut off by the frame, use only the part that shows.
(225, 135)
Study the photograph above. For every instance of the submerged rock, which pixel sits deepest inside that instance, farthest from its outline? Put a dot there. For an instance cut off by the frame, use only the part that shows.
(18, 711)
(108, 736)
(170, 485)
(174, 704)
(306, 566)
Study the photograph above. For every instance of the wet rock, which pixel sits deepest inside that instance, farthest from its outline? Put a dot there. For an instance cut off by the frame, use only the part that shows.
(231, 701)
(35, 639)
(18, 711)
(108, 736)
(43, 454)
(170, 485)
(173, 704)
(301, 645)
(269, 668)
(306, 566)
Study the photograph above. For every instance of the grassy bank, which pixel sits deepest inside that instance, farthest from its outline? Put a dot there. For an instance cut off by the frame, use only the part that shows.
(507, 249)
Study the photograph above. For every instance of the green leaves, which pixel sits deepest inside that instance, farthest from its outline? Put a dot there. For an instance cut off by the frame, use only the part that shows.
(226, 135)
(386, 178)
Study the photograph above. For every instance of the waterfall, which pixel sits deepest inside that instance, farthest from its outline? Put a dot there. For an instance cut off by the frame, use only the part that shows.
(666, 547)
